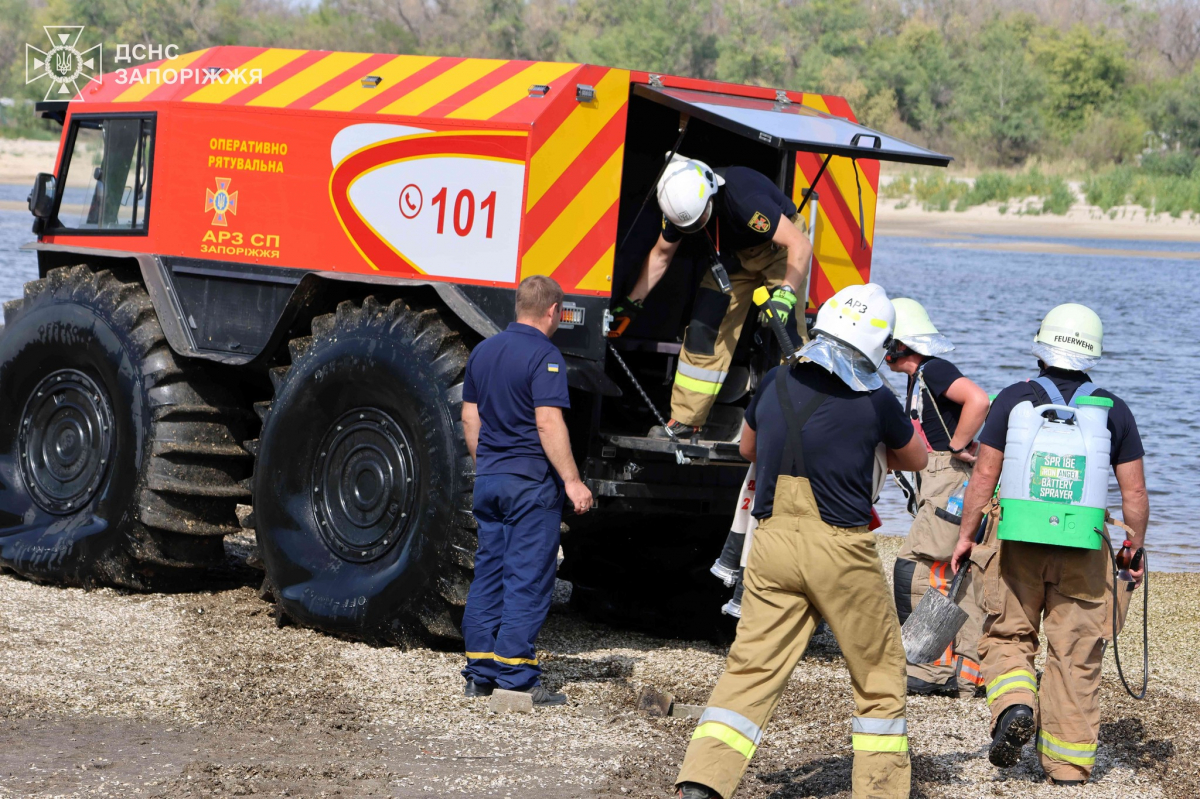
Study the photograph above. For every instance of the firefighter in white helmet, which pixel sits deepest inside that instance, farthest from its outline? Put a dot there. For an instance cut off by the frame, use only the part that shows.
(816, 431)
(759, 238)
(1044, 568)
(948, 410)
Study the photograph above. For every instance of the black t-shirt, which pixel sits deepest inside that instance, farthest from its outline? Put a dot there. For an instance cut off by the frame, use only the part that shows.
(839, 441)
(939, 375)
(1126, 441)
(747, 211)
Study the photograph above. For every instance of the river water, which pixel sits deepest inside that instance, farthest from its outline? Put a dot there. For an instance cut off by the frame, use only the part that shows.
(989, 301)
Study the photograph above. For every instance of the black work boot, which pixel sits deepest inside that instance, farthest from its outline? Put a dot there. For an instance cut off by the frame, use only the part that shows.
(918, 687)
(1067, 782)
(1013, 730)
(683, 432)
(694, 790)
(474, 689)
(545, 698)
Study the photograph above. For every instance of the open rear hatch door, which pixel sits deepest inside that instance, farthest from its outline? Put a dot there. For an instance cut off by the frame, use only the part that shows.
(791, 126)
(787, 126)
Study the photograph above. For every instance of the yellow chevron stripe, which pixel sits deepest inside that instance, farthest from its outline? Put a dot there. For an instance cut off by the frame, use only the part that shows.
(308, 79)
(580, 216)
(841, 171)
(511, 91)
(139, 90)
(815, 101)
(453, 80)
(353, 94)
(574, 134)
(831, 252)
(268, 62)
(599, 277)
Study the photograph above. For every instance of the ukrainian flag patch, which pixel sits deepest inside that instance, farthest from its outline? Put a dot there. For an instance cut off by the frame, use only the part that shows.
(551, 367)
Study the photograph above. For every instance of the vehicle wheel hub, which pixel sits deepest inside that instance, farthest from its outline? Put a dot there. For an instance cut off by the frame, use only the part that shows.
(364, 484)
(66, 440)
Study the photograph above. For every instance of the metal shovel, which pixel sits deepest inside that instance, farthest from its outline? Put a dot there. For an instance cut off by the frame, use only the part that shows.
(934, 624)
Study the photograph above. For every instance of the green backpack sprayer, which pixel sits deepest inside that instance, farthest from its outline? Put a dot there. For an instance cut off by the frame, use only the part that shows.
(1054, 489)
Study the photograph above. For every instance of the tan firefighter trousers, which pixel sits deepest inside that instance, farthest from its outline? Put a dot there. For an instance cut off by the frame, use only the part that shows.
(716, 326)
(924, 563)
(801, 570)
(1067, 592)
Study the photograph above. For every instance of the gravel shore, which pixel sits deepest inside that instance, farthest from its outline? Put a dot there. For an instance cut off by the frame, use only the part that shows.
(199, 694)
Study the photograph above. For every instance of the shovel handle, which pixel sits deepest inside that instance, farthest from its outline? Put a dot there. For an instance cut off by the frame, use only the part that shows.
(957, 581)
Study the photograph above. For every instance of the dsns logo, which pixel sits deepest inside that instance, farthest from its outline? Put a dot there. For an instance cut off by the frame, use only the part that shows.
(64, 65)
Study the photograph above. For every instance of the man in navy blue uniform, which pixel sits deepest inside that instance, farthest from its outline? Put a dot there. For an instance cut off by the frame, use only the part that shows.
(513, 399)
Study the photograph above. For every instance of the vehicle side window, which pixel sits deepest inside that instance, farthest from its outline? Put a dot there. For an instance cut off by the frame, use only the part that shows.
(107, 183)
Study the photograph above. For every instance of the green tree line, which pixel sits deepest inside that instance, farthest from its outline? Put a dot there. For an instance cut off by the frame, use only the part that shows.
(994, 82)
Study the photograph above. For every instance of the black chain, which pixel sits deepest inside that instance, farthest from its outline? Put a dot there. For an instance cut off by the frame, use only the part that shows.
(642, 391)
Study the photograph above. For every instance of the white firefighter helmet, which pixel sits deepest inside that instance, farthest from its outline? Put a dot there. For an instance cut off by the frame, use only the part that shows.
(686, 191)
(916, 331)
(911, 320)
(861, 317)
(1074, 328)
(1071, 336)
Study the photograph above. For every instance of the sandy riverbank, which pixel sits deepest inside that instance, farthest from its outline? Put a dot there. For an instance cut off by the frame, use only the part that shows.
(21, 159)
(198, 693)
(1081, 222)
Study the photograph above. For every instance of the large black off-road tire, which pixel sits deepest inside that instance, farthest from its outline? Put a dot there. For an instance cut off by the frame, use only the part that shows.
(649, 572)
(119, 464)
(362, 499)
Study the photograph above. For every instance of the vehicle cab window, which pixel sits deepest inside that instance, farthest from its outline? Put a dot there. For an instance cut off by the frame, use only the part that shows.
(106, 180)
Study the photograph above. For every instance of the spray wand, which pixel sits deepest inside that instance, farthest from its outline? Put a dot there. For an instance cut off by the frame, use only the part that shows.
(1123, 562)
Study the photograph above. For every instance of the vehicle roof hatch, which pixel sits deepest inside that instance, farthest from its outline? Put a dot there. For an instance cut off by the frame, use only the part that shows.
(791, 126)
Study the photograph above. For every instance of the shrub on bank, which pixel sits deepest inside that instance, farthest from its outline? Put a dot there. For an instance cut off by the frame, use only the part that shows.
(939, 191)
(1158, 187)
(1164, 183)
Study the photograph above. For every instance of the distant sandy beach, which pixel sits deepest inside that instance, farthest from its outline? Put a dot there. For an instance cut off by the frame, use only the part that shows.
(1081, 222)
(21, 159)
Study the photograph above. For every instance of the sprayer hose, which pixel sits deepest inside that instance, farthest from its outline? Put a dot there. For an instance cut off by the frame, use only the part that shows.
(1145, 624)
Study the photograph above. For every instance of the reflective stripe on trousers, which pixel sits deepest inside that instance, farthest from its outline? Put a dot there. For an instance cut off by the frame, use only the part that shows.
(730, 728)
(498, 659)
(1079, 754)
(702, 381)
(879, 735)
(969, 671)
(1018, 679)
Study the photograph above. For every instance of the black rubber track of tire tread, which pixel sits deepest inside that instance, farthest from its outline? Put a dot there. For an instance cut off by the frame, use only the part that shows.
(433, 341)
(194, 443)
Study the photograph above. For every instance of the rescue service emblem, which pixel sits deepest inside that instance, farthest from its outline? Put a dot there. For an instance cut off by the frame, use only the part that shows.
(759, 222)
(221, 202)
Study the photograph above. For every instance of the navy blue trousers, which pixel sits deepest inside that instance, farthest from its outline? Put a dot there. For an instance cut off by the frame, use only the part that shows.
(519, 521)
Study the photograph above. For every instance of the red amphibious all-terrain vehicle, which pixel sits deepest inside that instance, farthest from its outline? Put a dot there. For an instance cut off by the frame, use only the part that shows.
(256, 302)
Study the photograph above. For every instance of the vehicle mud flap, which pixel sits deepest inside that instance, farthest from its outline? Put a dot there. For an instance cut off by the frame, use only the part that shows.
(119, 464)
(362, 496)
